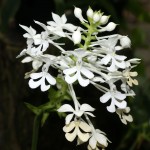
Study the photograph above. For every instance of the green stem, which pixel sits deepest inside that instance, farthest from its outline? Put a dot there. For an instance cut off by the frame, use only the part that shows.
(36, 126)
(88, 39)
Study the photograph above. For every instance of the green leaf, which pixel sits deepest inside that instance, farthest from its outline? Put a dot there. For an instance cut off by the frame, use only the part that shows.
(44, 118)
(57, 96)
(34, 109)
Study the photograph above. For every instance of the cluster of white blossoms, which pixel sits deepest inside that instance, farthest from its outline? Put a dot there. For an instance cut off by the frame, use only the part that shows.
(96, 61)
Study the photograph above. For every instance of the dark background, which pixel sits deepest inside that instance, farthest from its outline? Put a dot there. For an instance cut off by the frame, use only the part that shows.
(133, 17)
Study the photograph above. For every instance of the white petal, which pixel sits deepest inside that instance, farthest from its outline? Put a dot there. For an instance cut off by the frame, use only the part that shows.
(89, 147)
(127, 110)
(78, 113)
(120, 57)
(63, 18)
(92, 142)
(34, 84)
(41, 24)
(27, 35)
(112, 68)
(90, 114)
(83, 136)
(120, 64)
(69, 27)
(105, 97)
(45, 45)
(117, 48)
(121, 105)
(27, 59)
(36, 64)
(102, 140)
(71, 136)
(85, 127)
(87, 73)
(37, 41)
(69, 127)
(52, 23)
(50, 79)
(32, 31)
(83, 82)
(100, 132)
(119, 95)
(129, 118)
(123, 120)
(98, 79)
(111, 108)
(106, 59)
(36, 75)
(44, 87)
(68, 118)
(86, 107)
(56, 18)
(70, 70)
(65, 108)
(59, 32)
(72, 79)
(133, 74)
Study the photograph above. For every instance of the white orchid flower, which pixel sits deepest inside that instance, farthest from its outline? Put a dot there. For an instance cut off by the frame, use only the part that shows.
(59, 24)
(74, 73)
(97, 140)
(76, 126)
(127, 89)
(128, 75)
(117, 99)
(109, 47)
(124, 116)
(84, 108)
(31, 33)
(42, 76)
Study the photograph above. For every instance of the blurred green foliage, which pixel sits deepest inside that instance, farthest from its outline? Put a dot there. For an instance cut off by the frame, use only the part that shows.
(8, 10)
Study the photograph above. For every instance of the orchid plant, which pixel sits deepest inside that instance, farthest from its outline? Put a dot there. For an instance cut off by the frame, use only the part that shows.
(95, 60)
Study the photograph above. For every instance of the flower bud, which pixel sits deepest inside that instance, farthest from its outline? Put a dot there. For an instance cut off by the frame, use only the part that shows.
(110, 27)
(96, 17)
(92, 59)
(78, 14)
(90, 13)
(76, 36)
(104, 19)
(125, 42)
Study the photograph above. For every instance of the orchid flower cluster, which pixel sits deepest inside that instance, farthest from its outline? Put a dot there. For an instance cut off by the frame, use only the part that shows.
(96, 60)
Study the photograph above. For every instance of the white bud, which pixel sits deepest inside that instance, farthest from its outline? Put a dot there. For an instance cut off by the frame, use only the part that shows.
(76, 36)
(104, 19)
(96, 17)
(110, 27)
(78, 14)
(92, 59)
(125, 42)
(90, 13)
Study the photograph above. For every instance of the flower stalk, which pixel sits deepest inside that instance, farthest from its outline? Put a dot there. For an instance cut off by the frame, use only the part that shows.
(35, 134)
